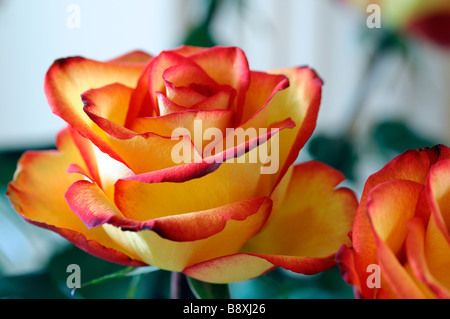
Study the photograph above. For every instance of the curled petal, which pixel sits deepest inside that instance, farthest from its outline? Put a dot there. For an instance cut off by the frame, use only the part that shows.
(434, 27)
(346, 261)
(177, 255)
(298, 247)
(196, 121)
(438, 195)
(37, 193)
(263, 87)
(141, 98)
(244, 266)
(109, 102)
(411, 166)
(157, 67)
(313, 218)
(300, 102)
(227, 65)
(93, 207)
(395, 274)
(106, 107)
(68, 78)
(415, 251)
(188, 85)
(227, 269)
(390, 206)
(136, 57)
(195, 169)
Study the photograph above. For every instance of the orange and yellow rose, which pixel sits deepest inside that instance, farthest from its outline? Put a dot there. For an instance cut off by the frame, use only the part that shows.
(424, 19)
(113, 189)
(402, 227)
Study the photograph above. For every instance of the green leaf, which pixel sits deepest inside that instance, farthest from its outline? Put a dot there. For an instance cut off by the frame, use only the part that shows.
(336, 151)
(200, 34)
(204, 290)
(284, 284)
(397, 136)
(127, 272)
(36, 285)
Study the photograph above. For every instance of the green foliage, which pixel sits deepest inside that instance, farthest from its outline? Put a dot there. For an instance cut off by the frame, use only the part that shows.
(100, 280)
(338, 152)
(203, 290)
(29, 286)
(200, 33)
(8, 161)
(8, 165)
(104, 280)
(398, 136)
(281, 284)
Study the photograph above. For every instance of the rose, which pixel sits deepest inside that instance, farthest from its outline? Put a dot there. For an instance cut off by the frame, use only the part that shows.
(402, 227)
(401, 230)
(113, 189)
(425, 19)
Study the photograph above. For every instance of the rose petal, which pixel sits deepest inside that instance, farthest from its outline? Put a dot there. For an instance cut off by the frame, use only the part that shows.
(221, 183)
(105, 107)
(134, 197)
(109, 102)
(68, 78)
(86, 149)
(219, 101)
(200, 225)
(307, 254)
(412, 166)
(188, 50)
(240, 170)
(415, 251)
(157, 67)
(94, 208)
(434, 26)
(134, 57)
(389, 207)
(346, 262)
(313, 219)
(140, 100)
(437, 252)
(438, 194)
(263, 87)
(243, 266)
(395, 274)
(176, 256)
(229, 269)
(37, 194)
(195, 121)
(188, 85)
(227, 65)
(300, 102)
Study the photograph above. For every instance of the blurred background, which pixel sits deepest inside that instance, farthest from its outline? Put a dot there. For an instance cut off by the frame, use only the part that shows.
(385, 91)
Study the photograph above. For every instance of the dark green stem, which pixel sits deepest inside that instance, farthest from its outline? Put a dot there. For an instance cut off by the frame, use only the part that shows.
(179, 288)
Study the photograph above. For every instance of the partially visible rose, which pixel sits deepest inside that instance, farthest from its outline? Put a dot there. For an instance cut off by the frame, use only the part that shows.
(402, 226)
(113, 188)
(425, 19)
